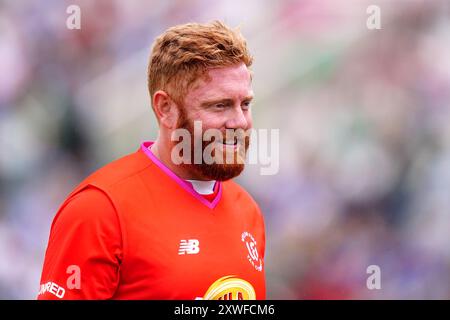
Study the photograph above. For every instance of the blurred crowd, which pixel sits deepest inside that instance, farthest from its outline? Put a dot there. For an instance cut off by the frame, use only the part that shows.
(364, 173)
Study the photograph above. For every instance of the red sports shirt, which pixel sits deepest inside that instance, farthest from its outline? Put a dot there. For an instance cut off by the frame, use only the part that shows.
(134, 230)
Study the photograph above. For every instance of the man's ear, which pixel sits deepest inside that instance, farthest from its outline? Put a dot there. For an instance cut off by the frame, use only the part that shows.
(165, 108)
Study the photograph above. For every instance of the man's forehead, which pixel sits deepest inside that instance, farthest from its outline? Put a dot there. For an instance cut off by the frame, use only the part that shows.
(234, 80)
(239, 71)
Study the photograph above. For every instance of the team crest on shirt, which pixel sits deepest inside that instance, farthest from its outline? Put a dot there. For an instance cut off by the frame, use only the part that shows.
(230, 288)
(253, 256)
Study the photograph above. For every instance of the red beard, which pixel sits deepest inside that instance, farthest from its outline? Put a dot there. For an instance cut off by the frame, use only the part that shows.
(216, 171)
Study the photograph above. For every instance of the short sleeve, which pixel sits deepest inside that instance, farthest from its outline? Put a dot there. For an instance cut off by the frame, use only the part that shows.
(84, 251)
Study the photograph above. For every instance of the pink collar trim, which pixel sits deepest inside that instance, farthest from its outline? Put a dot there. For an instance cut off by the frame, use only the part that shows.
(184, 184)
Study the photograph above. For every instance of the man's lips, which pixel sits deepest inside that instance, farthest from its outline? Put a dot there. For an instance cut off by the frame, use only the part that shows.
(229, 145)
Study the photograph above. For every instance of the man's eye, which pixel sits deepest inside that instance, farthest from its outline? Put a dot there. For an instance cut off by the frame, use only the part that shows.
(246, 105)
(220, 106)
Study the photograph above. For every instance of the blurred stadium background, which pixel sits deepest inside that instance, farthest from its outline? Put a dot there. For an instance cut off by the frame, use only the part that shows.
(364, 136)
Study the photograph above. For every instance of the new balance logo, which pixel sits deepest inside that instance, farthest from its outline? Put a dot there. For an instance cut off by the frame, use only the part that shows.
(190, 246)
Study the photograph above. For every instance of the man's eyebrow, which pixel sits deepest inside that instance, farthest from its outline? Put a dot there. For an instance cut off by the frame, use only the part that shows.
(216, 101)
(224, 101)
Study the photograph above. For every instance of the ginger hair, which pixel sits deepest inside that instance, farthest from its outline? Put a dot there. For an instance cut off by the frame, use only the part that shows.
(184, 53)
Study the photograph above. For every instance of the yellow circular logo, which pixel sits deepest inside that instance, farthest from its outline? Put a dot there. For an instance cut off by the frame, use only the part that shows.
(230, 288)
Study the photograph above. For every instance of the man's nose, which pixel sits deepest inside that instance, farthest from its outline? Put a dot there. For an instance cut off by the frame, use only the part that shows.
(237, 119)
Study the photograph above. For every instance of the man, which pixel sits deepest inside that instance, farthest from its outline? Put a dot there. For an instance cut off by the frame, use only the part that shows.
(161, 223)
